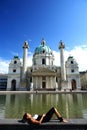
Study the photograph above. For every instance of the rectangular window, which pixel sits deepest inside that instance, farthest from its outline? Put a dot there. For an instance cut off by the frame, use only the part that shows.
(72, 70)
(43, 61)
(14, 70)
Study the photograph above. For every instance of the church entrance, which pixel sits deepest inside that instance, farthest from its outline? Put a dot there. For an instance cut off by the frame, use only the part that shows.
(73, 84)
(13, 85)
(43, 85)
(43, 82)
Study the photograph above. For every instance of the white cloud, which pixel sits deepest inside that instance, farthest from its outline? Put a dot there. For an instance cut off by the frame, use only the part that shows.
(79, 53)
(4, 66)
(29, 61)
(56, 58)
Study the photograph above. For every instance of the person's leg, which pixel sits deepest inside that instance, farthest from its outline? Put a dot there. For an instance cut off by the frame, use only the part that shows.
(50, 113)
(59, 116)
(57, 113)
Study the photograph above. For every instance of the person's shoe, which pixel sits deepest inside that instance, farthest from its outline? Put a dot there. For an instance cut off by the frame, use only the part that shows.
(60, 119)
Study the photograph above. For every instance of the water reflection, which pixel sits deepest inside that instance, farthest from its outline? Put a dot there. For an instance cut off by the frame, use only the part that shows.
(69, 105)
(2, 105)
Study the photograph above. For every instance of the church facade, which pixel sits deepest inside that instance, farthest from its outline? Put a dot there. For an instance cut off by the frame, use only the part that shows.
(43, 74)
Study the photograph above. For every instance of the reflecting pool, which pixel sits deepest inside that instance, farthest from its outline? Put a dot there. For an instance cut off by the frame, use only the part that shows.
(69, 105)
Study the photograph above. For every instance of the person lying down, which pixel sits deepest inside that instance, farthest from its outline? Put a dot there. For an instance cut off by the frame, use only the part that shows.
(38, 119)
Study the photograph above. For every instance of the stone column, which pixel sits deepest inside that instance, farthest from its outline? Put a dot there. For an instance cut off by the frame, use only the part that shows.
(50, 82)
(62, 63)
(40, 80)
(36, 84)
(25, 53)
(63, 73)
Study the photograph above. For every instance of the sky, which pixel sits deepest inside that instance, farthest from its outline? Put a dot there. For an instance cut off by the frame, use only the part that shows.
(33, 20)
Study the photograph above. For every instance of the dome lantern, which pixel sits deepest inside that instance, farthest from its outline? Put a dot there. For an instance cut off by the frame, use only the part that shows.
(43, 42)
(43, 48)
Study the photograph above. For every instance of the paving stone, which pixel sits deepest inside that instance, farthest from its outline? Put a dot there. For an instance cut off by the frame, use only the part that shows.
(73, 124)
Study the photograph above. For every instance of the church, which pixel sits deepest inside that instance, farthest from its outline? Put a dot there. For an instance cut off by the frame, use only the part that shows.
(43, 74)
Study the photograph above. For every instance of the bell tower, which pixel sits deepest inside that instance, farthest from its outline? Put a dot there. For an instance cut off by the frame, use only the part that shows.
(62, 63)
(63, 73)
(25, 54)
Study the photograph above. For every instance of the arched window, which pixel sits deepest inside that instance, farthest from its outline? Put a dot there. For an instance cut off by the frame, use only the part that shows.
(71, 62)
(15, 62)
(43, 51)
(73, 82)
(43, 61)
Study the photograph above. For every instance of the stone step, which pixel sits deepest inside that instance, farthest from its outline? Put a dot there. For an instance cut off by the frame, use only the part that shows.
(73, 124)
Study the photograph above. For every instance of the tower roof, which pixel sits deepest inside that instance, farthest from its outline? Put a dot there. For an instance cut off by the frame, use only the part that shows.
(16, 57)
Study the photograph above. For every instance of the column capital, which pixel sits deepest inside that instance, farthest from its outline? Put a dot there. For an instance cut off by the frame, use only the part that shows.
(26, 45)
(61, 44)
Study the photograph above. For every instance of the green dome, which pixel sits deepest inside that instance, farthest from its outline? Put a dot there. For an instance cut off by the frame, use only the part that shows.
(43, 48)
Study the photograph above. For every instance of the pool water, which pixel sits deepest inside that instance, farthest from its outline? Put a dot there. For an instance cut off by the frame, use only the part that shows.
(69, 105)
